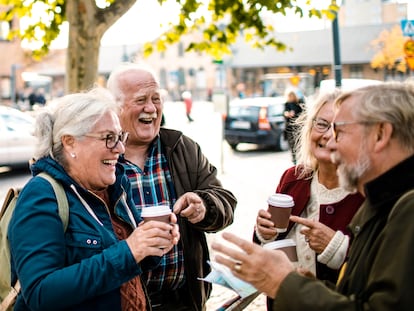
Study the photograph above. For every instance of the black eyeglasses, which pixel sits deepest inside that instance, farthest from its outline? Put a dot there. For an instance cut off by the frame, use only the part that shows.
(321, 125)
(335, 125)
(111, 140)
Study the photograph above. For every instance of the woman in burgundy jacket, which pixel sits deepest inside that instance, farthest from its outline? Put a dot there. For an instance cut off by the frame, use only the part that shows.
(322, 245)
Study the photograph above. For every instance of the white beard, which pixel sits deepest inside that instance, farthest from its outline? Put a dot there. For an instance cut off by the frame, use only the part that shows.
(348, 174)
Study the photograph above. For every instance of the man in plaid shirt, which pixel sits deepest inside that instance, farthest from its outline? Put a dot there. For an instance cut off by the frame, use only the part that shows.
(167, 167)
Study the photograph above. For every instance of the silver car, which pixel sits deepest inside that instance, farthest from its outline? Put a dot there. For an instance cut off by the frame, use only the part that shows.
(17, 142)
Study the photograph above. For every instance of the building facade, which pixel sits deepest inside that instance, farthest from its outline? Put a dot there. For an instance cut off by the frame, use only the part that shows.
(310, 53)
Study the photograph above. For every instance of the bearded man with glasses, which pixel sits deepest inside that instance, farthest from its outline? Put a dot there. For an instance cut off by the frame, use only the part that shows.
(374, 152)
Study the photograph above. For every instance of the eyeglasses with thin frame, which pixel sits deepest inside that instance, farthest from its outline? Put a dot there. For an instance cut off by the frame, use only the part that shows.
(335, 125)
(321, 125)
(111, 139)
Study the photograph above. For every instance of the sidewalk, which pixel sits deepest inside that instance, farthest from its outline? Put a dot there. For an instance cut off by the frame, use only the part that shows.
(221, 294)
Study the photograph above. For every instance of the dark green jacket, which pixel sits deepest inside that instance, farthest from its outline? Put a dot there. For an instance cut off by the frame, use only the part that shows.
(380, 271)
(191, 171)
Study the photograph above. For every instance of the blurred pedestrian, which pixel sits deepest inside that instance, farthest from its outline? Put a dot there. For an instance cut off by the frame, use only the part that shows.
(188, 101)
(37, 98)
(32, 98)
(293, 109)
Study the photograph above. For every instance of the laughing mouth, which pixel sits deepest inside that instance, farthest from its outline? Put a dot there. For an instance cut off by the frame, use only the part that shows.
(146, 120)
(110, 162)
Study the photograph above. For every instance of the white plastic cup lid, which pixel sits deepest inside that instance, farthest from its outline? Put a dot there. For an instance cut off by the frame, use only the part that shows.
(280, 244)
(280, 200)
(154, 211)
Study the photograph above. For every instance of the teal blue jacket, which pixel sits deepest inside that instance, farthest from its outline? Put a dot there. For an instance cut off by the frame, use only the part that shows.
(82, 268)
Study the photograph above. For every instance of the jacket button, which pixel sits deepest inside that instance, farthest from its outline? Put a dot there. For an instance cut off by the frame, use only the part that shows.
(88, 241)
(330, 210)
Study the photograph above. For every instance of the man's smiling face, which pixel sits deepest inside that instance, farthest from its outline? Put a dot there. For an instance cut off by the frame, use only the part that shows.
(142, 106)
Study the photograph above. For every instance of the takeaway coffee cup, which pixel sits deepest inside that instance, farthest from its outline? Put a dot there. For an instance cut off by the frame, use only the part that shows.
(288, 246)
(158, 213)
(280, 206)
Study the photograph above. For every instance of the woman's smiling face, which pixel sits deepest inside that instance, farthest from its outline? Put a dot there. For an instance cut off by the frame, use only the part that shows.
(93, 164)
(319, 139)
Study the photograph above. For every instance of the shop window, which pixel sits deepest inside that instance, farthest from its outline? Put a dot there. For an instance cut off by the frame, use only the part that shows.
(355, 72)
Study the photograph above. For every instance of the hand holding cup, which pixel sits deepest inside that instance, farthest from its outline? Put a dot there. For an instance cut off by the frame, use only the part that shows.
(280, 207)
(153, 238)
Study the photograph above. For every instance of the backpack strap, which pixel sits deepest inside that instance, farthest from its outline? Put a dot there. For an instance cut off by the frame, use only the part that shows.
(10, 299)
(62, 200)
(63, 209)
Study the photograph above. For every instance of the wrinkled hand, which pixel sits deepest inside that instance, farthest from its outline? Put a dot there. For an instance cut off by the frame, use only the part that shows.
(316, 233)
(153, 238)
(190, 206)
(264, 269)
(265, 227)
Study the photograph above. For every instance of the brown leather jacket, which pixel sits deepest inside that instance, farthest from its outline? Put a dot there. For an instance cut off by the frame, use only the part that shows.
(191, 171)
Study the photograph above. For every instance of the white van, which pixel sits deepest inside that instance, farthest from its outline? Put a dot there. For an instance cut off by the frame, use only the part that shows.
(347, 84)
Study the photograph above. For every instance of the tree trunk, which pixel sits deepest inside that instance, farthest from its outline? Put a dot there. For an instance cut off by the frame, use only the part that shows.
(87, 25)
(83, 46)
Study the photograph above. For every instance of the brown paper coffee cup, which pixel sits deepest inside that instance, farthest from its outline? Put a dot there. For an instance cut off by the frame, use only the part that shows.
(157, 213)
(280, 207)
(288, 246)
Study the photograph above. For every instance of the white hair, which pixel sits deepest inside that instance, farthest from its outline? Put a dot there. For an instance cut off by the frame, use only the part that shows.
(113, 81)
(74, 115)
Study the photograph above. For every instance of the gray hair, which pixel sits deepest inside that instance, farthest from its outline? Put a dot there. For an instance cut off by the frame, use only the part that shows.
(306, 159)
(73, 115)
(113, 82)
(391, 102)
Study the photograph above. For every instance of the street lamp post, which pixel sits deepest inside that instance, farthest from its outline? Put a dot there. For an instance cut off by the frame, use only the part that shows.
(13, 84)
(337, 52)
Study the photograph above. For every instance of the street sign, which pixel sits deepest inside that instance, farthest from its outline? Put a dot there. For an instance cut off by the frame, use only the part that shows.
(409, 48)
(407, 27)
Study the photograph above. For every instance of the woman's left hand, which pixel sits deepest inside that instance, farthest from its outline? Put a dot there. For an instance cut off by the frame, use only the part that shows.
(316, 234)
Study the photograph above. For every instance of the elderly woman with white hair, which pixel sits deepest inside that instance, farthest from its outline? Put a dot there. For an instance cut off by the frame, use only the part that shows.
(95, 264)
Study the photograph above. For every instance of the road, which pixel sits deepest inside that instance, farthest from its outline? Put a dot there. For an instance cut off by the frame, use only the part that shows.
(251, 174)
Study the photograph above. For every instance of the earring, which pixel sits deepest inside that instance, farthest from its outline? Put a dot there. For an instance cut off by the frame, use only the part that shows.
(73, 155)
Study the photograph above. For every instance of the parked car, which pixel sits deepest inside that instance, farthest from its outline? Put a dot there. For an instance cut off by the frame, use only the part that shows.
(256, 120)
(17, 142)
